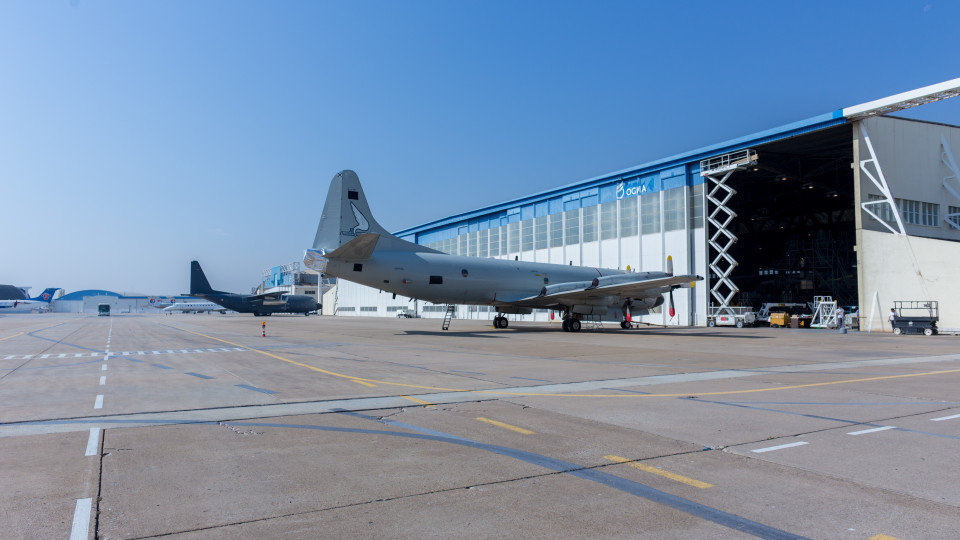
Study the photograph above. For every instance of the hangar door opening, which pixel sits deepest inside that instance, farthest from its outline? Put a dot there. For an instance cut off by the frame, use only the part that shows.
(793, 211)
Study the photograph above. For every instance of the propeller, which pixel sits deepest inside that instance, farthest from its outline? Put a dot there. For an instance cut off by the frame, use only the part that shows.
(673, 312)
(627, 304)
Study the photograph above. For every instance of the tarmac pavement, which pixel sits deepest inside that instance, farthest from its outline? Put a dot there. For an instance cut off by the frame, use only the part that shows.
(195, 426)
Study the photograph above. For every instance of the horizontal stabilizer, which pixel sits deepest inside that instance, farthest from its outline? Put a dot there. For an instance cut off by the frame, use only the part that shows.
(358, 249)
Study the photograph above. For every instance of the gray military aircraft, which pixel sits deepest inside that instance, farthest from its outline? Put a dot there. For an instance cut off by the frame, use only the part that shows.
(350, 244)
(258, 304)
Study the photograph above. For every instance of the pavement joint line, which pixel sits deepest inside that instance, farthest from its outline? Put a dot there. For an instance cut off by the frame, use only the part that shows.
(778, 447)
(660, 472)
(505, 426)
(942, 418)
(81, 519)
(548, 390)
(872, 430)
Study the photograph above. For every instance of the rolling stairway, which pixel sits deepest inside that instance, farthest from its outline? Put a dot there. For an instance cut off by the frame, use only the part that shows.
(448, 316)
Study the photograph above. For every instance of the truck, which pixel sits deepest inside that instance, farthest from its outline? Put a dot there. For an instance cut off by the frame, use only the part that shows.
(103, 310)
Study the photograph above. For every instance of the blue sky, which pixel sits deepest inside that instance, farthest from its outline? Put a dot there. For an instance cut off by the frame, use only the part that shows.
(136, 136)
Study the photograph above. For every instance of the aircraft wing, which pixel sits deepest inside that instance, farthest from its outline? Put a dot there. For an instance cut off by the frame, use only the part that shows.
(602, 294)
(268, 296)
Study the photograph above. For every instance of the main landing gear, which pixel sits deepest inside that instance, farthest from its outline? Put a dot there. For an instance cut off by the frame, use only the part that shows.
(571, 325)
(500, 321)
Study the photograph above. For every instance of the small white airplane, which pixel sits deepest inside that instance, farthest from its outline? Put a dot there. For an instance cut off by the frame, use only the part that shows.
(350, 244)
(29, 304)
(194, 307)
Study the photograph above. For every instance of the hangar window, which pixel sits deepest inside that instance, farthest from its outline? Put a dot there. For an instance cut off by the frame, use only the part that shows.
(494, 234)
(541, 232)
(346, 308)
(513, 234)
(673, 209)
(526, 235)
(436, 280)
(483, 242)
(473, 248)
(882, 210)
(628, 217)
(353, 195)
(368, 308)
(953, 216)
(696, 206)
(608, 220)
(650, 213)
(590, 224)
(572, 226)
(930, 214)
(556, 230)
(358, 267)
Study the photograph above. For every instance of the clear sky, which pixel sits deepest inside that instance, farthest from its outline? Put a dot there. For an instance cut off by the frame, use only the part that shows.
(136, 136)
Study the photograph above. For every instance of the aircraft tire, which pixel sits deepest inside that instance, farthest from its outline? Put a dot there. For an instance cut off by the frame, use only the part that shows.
(504, 322)
(574, 325)
(566, 325)
(625, 325)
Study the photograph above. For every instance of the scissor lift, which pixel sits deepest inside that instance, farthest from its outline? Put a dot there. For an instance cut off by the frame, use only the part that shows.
(916, 317)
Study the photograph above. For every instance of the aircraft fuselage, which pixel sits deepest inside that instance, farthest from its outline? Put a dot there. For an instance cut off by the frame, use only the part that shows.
(454, 279)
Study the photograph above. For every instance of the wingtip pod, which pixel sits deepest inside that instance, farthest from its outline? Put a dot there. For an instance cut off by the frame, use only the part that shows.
(670, 264)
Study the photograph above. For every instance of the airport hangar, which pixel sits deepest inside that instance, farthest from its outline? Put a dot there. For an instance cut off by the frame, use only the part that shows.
(852, 204)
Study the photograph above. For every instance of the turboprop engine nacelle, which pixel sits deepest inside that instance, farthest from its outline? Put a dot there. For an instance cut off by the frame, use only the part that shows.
(514, 310)
(548, 290)
(650, 303)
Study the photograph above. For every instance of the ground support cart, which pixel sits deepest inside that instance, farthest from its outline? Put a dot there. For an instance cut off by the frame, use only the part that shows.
(731, 316)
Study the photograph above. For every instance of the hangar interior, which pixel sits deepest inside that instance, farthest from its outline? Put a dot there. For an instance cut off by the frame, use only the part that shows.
(795, 221)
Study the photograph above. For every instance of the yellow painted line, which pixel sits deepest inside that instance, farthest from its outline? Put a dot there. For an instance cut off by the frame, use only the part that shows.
(415, 400)
(8, 337)
(883, 537)
(505, 426)
(506, 393)
(660, 472)
(364, 383)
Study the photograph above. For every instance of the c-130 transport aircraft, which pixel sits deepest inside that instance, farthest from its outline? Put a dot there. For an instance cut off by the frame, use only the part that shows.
(351, 245)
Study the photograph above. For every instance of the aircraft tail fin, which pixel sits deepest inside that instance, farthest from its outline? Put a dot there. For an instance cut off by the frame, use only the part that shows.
(346, 216)
(47, 294)
(198, 280)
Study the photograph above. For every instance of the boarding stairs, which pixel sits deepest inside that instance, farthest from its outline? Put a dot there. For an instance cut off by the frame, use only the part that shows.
(825, 313)
(448, 316)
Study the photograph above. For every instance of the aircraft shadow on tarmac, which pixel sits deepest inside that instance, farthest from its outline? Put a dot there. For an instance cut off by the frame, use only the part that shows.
(502, 333)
